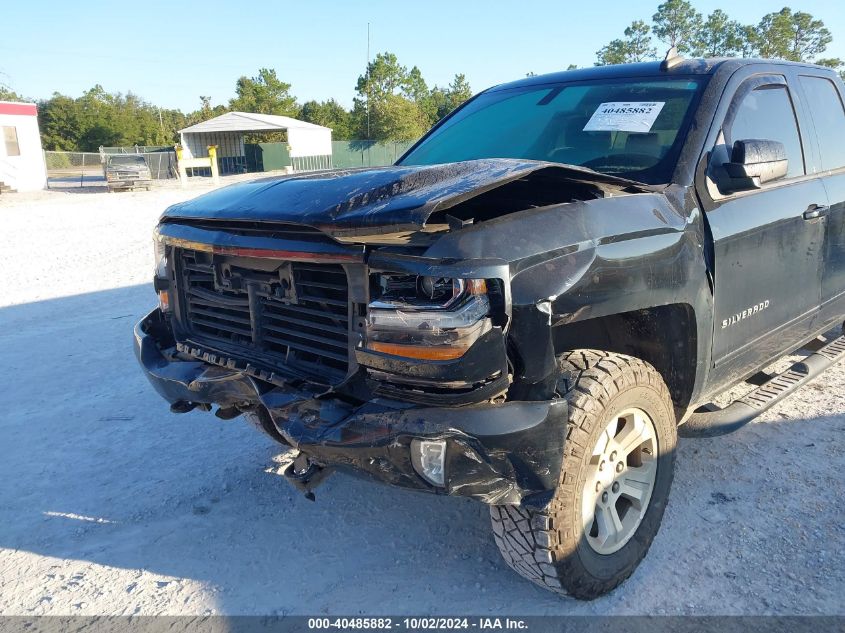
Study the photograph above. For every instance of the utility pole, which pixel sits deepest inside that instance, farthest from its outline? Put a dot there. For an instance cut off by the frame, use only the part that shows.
(368, 81)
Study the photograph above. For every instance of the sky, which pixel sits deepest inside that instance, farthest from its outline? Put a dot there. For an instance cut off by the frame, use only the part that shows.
(170, 53)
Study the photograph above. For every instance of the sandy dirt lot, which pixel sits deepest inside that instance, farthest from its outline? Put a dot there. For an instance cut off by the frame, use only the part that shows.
(111, 505)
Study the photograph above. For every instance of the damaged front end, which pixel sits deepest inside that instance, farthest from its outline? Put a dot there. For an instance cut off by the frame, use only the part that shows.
(314, 305)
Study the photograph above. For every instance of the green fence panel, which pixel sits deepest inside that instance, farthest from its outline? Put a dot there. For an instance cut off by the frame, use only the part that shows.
(345, 154)
(266, 156)
(367, 153)
(276, 156)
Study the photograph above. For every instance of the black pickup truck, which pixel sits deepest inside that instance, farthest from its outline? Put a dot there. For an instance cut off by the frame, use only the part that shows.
(532, 304)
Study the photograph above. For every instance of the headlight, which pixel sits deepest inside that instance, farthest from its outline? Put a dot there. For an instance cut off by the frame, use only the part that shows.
(427, 318)
(159, 257)
(161, 279)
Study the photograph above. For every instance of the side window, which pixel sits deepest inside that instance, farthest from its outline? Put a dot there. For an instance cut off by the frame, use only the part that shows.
(10, 138)
(766, 113)
(829, 119)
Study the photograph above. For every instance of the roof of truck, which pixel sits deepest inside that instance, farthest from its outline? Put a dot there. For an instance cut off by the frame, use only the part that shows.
(646, 69)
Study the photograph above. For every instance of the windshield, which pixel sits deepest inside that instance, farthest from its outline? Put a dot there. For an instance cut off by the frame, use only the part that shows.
(629, 128)
(127, 160)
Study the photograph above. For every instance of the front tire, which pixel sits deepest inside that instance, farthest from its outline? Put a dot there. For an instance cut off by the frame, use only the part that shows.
(614, 483)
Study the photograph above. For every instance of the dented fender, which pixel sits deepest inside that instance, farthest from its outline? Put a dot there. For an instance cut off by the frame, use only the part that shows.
(588, 259)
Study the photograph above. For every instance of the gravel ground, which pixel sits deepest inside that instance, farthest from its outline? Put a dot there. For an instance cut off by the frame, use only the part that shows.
(111, 505)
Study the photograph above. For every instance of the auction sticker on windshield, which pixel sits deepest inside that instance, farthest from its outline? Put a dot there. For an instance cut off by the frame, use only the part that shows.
(624, 116)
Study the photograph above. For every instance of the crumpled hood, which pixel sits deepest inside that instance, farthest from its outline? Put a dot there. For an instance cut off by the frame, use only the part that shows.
(375, 200)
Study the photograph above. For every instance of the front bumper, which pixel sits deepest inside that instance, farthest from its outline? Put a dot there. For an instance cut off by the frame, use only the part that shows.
(506, 453)
(129, 184)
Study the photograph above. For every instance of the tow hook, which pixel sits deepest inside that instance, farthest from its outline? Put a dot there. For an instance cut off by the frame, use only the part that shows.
(227, 413)
(183, 406)
(305, 475)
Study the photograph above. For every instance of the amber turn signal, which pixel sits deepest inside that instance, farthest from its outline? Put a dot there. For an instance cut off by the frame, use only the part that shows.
(418, 352)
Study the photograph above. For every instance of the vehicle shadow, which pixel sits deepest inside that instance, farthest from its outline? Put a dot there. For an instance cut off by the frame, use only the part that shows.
(99, 471)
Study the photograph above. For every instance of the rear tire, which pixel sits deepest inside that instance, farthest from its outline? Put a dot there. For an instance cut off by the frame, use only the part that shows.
(601, 520)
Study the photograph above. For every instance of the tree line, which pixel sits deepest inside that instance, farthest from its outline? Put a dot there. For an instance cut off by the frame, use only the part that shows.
(785, 34)
(395, 103)
(392, 103)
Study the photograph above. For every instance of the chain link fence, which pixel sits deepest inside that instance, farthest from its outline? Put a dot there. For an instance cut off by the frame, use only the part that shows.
(86, 169)
(136, 149)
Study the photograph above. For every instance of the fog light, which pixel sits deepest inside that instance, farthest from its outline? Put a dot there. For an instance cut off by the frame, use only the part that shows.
(429, 460)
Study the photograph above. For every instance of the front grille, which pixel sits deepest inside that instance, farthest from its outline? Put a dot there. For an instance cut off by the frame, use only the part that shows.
(284, 314)
(129, 175)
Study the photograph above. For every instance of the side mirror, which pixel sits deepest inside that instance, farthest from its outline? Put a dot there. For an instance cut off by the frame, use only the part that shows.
(754, 162)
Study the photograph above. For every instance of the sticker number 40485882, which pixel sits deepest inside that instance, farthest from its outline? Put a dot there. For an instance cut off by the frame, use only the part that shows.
(624, 116)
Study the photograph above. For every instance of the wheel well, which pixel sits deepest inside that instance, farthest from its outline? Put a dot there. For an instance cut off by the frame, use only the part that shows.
(664, 336)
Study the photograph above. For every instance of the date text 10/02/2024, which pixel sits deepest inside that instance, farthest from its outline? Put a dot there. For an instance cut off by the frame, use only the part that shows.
(415, 624)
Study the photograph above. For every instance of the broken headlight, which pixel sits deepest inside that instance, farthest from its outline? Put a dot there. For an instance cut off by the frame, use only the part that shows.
(161, 280)
(426, 318)
(160, 257)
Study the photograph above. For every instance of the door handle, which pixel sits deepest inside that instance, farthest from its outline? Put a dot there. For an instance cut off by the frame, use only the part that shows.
(815, 211)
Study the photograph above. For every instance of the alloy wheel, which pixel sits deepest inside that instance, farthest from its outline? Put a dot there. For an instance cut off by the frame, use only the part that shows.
(620, 480)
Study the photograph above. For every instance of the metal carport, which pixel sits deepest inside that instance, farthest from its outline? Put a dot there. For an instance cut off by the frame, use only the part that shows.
(310, 145)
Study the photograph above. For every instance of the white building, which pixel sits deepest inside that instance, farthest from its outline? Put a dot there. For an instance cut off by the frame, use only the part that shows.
(21, 158)
(310, 145)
